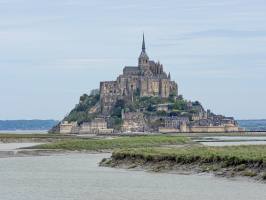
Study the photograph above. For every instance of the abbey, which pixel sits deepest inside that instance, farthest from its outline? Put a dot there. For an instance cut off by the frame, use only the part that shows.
(146, 79)
(142, 99)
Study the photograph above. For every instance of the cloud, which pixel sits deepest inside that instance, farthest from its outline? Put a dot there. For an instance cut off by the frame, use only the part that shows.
(64, 63)
(236, 34)
(87, 61)
(83, 63)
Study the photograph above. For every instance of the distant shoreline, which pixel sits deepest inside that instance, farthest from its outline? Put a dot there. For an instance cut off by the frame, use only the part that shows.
(34, 125)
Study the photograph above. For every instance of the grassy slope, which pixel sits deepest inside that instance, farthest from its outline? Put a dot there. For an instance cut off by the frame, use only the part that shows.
(233, 155)
(121, 142)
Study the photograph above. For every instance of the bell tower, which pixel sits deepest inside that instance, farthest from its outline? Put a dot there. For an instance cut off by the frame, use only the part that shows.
(143, 58)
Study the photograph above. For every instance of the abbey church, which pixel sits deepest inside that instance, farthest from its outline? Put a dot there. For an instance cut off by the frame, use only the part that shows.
(146, 79)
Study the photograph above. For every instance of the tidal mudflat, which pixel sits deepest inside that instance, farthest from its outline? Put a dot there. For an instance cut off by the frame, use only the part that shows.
(15, 146)
(232, 140)
(78, 176)
(164, 152)
(69, 169)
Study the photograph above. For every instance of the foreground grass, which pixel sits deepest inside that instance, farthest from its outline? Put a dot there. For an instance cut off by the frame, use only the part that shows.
(115, 143)
(232, 155)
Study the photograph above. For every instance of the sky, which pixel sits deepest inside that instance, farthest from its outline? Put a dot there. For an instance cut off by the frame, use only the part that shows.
(53, 51)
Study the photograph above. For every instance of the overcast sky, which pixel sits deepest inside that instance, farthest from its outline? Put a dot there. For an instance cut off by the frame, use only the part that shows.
(53, 51)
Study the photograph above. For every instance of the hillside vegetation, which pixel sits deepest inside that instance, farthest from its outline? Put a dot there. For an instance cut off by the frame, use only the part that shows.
(81, 111)
(176, 106)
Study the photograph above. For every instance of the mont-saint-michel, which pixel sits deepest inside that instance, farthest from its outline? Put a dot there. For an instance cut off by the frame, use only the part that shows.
(91, 108)
(144, 98)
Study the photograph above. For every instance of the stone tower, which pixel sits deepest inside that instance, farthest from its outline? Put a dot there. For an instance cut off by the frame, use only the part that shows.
(143, 57)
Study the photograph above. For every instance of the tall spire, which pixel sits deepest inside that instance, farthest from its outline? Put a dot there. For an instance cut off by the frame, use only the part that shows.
(143, 43)
(143, 57)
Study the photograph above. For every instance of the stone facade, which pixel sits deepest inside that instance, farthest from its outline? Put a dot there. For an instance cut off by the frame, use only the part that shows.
(175, 122)
(96, 126)
(133, 122)
(214, 129)
(68, 127)
(146, 79)
(202, 122)
(201, 129)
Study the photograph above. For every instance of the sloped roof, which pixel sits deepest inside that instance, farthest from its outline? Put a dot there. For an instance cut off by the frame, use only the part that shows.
(131, 68)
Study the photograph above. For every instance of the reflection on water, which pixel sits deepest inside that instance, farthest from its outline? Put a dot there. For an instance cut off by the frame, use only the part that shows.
(230, 138)
(78, 177)
(231, 141)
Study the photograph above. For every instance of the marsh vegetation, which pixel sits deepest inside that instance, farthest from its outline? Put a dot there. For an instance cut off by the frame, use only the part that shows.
(115, 143)
(226, 161)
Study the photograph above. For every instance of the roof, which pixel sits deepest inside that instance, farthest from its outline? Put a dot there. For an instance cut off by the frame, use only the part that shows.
(131, 68)
(152, 63)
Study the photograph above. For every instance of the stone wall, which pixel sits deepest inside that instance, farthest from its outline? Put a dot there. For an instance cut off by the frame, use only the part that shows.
(168, 130)
(133, 122)
(164, 88)
(210, 129)
(96, 126)
(109, 92)
(68, 127)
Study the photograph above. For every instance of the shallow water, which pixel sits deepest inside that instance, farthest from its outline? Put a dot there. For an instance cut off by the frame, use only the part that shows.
(14, 146)
(78, 177)
(23, 131)
(231, 141)
(219, 144)
(243, 138)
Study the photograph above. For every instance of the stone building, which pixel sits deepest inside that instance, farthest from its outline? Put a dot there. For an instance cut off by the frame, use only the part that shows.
(163, 107)
(96, 126)
(66, 127)
(174, 124)
(133, 122)
(146, 79)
